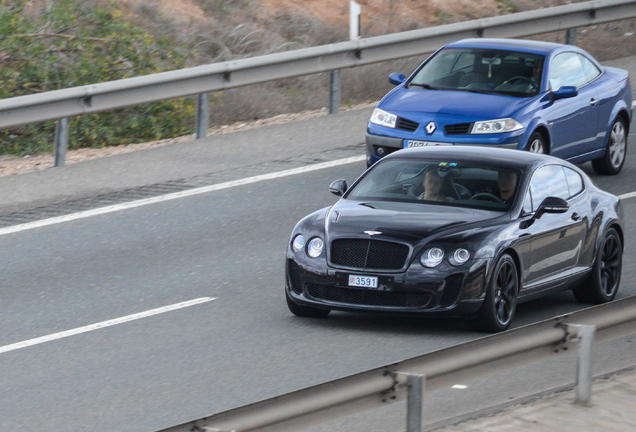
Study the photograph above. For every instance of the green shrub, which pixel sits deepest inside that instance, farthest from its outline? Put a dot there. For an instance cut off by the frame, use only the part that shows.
(76, 42)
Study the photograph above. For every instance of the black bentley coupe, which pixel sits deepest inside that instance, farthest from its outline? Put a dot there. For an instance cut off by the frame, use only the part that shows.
(462, 231)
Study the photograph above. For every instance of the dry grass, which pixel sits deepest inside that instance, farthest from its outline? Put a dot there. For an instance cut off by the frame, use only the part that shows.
(230, 30)
(220, 30)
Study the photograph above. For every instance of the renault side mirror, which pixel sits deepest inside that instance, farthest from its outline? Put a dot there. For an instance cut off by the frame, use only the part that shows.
(397, 78)
(565, 92)
(338, 187)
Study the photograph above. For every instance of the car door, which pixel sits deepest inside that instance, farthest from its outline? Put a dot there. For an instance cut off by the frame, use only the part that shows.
(606, 91)
(572, 121)
(555, 239)
(580, 203)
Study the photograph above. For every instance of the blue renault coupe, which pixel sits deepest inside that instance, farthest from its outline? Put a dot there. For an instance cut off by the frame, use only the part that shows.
(527, 95)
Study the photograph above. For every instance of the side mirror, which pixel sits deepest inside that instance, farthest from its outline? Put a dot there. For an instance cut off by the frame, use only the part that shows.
(552, 205)
(396, 78)
(565, 92)
(338, 187)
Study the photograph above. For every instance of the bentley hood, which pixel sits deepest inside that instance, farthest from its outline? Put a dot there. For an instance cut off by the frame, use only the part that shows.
(411, 222)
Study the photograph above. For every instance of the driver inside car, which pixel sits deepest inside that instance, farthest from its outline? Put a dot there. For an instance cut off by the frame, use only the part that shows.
(537, 68)
(506, 184)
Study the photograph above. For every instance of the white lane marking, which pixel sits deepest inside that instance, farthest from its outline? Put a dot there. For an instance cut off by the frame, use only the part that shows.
(177, 195)
(103, 324)
(627, 195)
(460, 386)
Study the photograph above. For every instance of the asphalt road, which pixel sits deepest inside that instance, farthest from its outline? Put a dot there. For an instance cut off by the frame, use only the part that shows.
(243, 346)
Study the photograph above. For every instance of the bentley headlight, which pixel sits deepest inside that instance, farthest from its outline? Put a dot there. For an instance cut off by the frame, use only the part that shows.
(315, 247)
(496, 126)
(299, 243)
(383, 118)
(459, 257)
(432, 257)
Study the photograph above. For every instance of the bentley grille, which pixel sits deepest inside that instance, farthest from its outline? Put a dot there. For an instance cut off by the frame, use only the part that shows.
(369, 254)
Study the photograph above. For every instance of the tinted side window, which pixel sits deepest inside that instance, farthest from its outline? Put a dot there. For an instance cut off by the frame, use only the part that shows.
(566, 70)
(548, 181)
(575, 182)
(589, 69)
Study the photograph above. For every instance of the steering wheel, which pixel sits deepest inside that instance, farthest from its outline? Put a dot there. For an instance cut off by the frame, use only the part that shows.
(487, 195)
(520, 78)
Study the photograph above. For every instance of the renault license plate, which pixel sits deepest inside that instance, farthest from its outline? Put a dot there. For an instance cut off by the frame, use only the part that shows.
(363, 281)
(414, 143)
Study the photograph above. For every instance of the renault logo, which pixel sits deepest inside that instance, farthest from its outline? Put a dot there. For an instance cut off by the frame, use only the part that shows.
(372, 232)
(430, 128)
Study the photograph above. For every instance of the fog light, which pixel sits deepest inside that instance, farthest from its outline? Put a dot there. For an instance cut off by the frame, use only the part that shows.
(381, 151)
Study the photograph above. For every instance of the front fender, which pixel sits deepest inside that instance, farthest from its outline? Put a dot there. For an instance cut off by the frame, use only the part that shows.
(311, 225)
(535, 123)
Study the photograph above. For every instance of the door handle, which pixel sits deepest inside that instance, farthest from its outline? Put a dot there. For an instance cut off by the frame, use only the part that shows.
(576, 216)
(593, 101)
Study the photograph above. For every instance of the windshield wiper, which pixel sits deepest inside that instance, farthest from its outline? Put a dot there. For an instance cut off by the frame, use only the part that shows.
(482, 91)
(426, 86)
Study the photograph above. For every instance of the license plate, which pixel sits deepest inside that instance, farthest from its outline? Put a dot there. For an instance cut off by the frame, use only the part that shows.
(413, 143)
(363, 281)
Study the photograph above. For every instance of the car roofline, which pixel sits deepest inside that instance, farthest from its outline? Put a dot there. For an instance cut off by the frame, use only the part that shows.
(526, 46)
(513, 158)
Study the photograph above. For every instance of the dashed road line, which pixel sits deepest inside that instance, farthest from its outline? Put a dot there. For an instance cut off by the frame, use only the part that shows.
(177, 195)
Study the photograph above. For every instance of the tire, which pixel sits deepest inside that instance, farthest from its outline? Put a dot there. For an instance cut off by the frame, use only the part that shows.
(616, 150)
(537, 144)
(306, 311)
(602, 284)
(500, 303)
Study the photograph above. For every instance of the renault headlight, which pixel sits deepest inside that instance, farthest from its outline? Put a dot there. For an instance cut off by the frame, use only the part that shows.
(383, 118)
(432, 257)
(459, 257)
(315, 247)
(496, 126)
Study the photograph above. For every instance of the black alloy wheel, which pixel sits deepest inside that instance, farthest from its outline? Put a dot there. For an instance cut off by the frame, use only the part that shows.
(536, 144)
(614, 159)
(500, 304)
(305, 311)
(602, 285)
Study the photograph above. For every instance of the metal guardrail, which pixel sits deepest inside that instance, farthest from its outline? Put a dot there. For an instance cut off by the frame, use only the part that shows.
(111, 95)
(94, 98)
(440, 369)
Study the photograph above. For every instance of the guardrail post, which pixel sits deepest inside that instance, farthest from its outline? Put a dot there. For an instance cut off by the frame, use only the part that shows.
(334, 91)
(203, 113)
(416, 385)
(570, 36)
(585, 338)
(61, 141)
